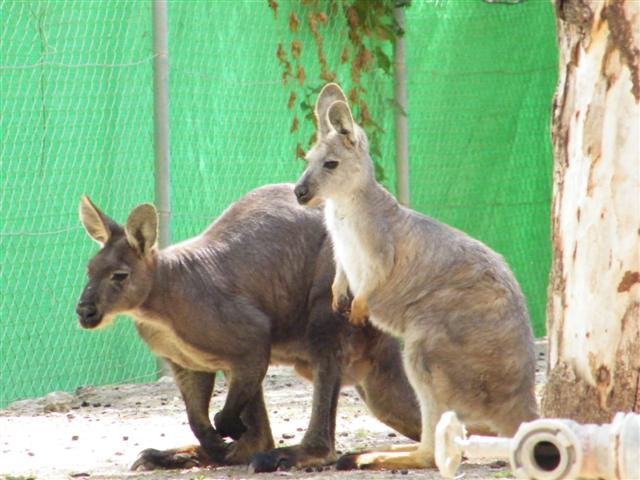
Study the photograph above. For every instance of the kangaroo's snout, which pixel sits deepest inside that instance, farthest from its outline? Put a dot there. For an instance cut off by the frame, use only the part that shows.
(88, 314)
(302, 193)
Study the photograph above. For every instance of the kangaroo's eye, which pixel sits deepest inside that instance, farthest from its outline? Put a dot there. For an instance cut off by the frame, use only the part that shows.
(330, 164)
(119, 276)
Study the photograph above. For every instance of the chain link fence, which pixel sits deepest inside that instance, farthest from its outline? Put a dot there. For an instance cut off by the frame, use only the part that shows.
(76, 116)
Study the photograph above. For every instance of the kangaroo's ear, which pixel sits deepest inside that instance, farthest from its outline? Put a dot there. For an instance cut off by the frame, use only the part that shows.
(330, 93)
(142, 228)
(98, 225)
(340, 119)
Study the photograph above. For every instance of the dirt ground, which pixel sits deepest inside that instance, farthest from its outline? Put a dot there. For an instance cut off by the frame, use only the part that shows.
(98, 432)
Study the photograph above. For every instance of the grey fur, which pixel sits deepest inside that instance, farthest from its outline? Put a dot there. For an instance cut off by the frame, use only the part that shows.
(253, 289)
(454, 301)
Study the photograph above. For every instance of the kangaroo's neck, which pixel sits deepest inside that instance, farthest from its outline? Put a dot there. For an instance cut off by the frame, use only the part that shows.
(368, 202)
(179, 277)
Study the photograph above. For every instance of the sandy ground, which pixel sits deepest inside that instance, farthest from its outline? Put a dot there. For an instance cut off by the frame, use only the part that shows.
(98, 432)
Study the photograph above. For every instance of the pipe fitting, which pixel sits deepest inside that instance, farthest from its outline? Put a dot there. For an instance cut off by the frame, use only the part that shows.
(548, 449)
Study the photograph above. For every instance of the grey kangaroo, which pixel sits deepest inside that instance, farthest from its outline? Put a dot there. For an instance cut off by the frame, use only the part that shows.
(468, 344)
(253, 288)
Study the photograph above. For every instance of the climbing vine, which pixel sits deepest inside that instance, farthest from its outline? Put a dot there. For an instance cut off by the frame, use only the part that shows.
(371, 26)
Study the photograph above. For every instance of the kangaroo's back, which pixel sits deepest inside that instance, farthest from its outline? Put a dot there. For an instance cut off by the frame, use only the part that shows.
(265, 249)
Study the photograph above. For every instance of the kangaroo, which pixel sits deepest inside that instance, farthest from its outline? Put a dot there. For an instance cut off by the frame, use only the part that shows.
(468, 344)
(252, 289)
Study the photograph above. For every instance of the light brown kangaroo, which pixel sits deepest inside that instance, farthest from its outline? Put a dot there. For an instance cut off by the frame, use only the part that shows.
(254, 288)
(455, 303)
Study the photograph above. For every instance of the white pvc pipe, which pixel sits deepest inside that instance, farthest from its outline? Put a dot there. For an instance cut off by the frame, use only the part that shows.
(549, 449)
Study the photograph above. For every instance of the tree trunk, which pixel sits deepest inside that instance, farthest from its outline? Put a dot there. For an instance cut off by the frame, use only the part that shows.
(594, 295)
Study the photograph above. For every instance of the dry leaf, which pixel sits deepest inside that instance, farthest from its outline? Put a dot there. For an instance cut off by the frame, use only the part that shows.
(273, 5)
(294, 21)
(292, 100)
(296, 49)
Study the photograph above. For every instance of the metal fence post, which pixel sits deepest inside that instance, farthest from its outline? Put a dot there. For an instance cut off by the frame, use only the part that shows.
(161, 120)
(161, 127)
(401, 121)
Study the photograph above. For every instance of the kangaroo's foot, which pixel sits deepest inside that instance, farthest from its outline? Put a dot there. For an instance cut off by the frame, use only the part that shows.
(174, 458)
(229, 425)
(299, 456)
(359, 312)
(386, 460)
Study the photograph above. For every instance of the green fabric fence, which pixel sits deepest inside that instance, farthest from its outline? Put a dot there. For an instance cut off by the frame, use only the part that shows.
(76, 116)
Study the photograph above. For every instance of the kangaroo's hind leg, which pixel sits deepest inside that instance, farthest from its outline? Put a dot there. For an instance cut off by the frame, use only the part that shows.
(422, 456)
(325, 371)
(196, 389)
(386, 389)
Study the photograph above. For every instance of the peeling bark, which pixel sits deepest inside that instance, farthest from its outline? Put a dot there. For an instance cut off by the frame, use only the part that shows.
(594, 292)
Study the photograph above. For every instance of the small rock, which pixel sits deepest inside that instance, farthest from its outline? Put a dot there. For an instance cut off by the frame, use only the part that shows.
(79, 475)
(404, 472)
(391, 434)
(96, 405)
(85, 403)
(58, 402)
(281, 441)
(308, 469)
(288, 436)
(498, 464)
(74, 438)
(125, 438)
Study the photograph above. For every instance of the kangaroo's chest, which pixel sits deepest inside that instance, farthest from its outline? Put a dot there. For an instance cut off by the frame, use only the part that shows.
(350, 247)
(164, 342)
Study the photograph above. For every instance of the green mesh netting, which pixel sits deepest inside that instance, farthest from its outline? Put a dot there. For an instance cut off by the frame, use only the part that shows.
(76, 116)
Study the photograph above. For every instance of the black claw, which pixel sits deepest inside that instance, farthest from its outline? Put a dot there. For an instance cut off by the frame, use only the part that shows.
(347, 462)
(263, 462)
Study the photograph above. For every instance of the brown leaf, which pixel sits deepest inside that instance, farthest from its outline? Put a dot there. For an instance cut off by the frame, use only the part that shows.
(296, 49)
(321, 17)
(294, 22)
(353, 96)
(300, 153)
(273, 5)
(294, 125)
(327, 76)
(292, 100)
(353, 18)
(364, 113)
(280, 53)
(301, 76)
(344, 58)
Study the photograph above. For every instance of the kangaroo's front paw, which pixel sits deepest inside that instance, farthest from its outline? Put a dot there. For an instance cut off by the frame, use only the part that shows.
(229, 426)
(340, 303)
(359, 312)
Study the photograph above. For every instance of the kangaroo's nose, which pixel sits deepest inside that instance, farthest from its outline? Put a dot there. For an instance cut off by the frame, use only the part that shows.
(86, 309)
(302, 193)
(88, 313)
